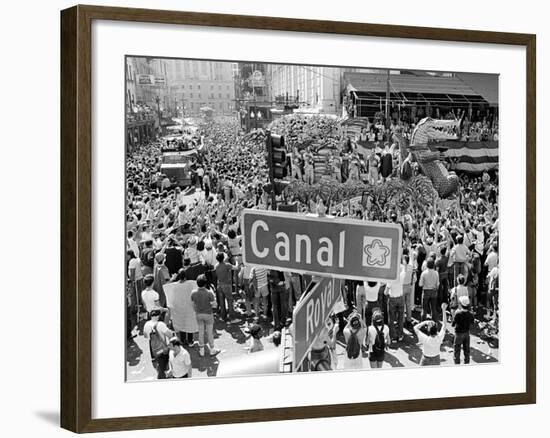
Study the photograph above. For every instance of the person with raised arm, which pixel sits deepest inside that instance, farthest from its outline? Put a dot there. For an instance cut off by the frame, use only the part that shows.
(431, 340)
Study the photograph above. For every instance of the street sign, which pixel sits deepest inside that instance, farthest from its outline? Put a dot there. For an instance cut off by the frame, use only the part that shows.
(327, 246)
(311, 314)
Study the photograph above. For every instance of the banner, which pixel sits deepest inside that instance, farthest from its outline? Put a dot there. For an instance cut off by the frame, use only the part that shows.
(146, 79)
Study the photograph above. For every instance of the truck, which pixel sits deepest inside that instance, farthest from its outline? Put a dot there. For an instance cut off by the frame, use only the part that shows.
(178, 166)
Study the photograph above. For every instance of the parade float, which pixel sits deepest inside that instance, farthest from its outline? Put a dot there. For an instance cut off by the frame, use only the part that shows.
(427, 155)
(323, 136)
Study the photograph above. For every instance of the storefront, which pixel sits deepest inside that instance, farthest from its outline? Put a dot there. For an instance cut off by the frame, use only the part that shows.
(140, 129)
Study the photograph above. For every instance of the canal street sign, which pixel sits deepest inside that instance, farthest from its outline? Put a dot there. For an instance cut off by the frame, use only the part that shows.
(311, 314)
(327, 246)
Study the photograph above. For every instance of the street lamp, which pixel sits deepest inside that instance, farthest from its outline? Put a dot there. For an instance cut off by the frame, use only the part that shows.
(253, 116)
(157, 100)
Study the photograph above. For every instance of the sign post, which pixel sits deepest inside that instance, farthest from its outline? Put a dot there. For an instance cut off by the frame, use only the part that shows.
(326, 246)
(311, 314)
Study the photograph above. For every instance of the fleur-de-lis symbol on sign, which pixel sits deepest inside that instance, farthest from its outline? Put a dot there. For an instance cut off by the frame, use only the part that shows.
(376, 253)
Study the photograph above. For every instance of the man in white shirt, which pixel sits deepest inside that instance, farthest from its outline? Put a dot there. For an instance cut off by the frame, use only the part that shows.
(132, 244)
(259, 279)
(396, 305)
(493, 289)
(370, 290)
(460, 254)
(408, 282)
(155, 330)
(179, 359)
(149, 296)
(200, 174)
(480, 239)
(492, 259)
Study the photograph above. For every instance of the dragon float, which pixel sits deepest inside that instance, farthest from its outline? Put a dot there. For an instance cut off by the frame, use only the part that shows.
(421, 146)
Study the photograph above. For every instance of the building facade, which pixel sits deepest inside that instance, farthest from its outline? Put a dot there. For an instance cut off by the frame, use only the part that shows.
(146, 94)
(150, 84)
(201, 84)
(314, 89)
(253, 95)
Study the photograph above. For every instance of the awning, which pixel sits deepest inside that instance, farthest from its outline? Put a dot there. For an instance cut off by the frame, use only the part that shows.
(484, 84)
(413, 88)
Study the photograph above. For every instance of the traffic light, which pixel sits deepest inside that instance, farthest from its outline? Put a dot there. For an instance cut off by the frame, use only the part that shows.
(280, 187)
(277, 152)
(293, 207)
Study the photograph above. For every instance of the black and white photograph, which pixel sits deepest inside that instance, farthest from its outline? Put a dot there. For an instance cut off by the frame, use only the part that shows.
(300, 218)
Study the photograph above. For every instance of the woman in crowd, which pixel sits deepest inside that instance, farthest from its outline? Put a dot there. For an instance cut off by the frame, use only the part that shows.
(378, 339)
(431, 342)
(354, 334)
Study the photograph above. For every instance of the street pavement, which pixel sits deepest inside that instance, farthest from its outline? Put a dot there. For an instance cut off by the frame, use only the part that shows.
(232, 336)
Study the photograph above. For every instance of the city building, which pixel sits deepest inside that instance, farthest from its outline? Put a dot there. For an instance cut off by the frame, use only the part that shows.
(200, 84)
(146, 95)
(150, 81)
(313, 89)
(253, 95)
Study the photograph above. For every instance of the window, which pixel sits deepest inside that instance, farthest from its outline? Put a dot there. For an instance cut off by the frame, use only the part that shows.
(183, 87)
(228, 96)
(220, 95)
(199, 86)
(212, 95)
(219, 87)
(190, 87)
(199, 95)
(191, 95)
(227, 87)
(211, 86)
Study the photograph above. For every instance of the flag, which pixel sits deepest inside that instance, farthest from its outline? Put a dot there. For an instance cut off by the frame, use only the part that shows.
(473, 156)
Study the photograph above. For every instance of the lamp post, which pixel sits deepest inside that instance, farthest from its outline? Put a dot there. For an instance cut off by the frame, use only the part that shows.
(387, 112)
(258, 116)
(253, 116)
(157, 100)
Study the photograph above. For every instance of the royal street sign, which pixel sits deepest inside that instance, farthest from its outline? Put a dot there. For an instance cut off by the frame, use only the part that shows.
(311, 314)
(328, 246)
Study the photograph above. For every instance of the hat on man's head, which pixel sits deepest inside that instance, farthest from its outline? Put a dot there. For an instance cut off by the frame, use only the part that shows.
(355, 322)
(159, 258)
(464, 301)
(155, 312)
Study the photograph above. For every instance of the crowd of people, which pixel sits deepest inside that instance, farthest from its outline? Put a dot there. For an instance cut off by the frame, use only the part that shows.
(185, 269)
(475, 126)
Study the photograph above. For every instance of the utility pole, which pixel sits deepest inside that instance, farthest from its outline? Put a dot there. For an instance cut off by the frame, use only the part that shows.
(387, 98)
(157, 100)
(270, 167)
